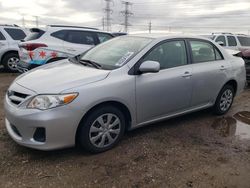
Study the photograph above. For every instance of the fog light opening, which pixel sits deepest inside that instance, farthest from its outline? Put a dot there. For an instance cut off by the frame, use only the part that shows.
(40, 135)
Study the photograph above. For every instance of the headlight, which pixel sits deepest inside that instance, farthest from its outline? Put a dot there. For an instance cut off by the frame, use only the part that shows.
(44, 102)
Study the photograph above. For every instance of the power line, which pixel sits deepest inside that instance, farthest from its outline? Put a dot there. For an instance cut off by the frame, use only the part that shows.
(126, 13)
(108, 12)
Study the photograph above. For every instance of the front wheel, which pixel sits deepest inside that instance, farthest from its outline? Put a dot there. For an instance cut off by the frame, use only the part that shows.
(224, 100)
(102, 129)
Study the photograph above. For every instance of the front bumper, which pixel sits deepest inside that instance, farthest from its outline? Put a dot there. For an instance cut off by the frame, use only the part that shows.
(248, 73)
(60, 125)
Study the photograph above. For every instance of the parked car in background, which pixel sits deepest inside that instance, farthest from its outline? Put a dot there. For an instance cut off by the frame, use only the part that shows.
(57, 42)
(239, 42)
(117, 34)
(10, 36)
(120, 85)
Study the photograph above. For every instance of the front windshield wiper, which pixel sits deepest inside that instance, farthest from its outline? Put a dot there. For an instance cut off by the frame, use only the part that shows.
(89, 62)
(85, 62)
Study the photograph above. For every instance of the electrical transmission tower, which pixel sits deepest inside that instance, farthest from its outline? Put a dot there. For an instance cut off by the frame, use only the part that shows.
(108, 12)
(126, 14)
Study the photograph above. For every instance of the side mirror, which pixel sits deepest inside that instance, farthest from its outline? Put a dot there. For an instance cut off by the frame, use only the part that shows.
(221, 43)
(149, 67)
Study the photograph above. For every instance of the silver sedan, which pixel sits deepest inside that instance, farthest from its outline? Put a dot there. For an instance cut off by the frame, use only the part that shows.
(122, 84)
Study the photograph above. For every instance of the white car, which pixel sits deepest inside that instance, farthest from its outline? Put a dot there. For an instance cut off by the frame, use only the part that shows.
(234, 43)
(57, 42)
(10, 36)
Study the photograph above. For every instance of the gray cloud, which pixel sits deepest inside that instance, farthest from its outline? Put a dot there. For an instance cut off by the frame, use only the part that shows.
(166, 15)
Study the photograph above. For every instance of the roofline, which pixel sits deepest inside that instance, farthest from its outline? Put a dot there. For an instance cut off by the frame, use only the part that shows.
(73, 27)
(9, 25)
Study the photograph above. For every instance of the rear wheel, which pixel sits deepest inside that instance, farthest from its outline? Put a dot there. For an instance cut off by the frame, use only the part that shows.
(102, 129)
(224, 100)
(10, 62)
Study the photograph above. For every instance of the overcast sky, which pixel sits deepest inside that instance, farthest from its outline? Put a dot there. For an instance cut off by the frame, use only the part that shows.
(166, 15)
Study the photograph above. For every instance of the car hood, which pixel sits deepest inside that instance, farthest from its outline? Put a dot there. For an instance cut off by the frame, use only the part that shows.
(59, 76)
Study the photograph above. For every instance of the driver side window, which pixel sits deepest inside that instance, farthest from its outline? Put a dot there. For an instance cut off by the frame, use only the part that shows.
(169, 54)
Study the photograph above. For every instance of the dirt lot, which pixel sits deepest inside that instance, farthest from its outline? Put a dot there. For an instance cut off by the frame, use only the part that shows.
(196, 150)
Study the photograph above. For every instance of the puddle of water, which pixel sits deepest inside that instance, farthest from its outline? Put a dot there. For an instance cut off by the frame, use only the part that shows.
(238, 125)
(243, 117)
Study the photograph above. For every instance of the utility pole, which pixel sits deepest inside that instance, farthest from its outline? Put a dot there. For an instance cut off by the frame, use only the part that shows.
(23, 21)
(126, 14)
(36, 17)
(108, 12)
(103, 23)
(149, 26)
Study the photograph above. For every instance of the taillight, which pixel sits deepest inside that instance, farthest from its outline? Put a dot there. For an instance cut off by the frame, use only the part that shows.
(32, 46)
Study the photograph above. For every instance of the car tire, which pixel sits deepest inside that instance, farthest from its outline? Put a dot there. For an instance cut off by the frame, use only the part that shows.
(102, 129)
(10, 61)
(224, 100)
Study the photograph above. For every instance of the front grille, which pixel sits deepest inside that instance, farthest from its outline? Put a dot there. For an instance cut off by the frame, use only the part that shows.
(16, 98)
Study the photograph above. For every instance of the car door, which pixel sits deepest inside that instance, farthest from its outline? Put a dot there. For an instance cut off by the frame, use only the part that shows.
(209, 72)
(169, 91)
(78, 41)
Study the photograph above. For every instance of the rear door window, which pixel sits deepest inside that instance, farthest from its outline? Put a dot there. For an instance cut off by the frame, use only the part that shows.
(80, 37)
(244, 41)
(15, 34)
(231, 41)
(2, 37)
(203, 52)
(221, 38)
(60, 34)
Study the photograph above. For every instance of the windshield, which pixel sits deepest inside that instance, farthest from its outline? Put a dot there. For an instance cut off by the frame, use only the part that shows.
(244, 41)
(116, 52)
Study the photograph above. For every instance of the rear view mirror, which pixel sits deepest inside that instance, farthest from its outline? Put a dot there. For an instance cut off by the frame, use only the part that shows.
(149, 67)
(221, 43)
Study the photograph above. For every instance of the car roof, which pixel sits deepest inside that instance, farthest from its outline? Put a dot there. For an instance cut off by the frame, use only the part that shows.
(232, 34)
(167, 36)
(67, 27)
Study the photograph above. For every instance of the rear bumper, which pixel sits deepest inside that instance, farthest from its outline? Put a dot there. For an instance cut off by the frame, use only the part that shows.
(24, 67)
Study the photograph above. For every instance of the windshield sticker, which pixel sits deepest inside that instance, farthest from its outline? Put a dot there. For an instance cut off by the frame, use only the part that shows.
(124, 58)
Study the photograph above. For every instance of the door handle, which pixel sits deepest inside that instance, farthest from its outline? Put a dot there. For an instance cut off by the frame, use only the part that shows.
(186, 74)
(223, 67)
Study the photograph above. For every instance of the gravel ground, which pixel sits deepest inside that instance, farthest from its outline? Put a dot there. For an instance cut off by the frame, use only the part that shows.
(196, 150)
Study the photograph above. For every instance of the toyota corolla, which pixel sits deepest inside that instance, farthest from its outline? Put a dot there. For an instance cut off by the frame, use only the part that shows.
(122, 84)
